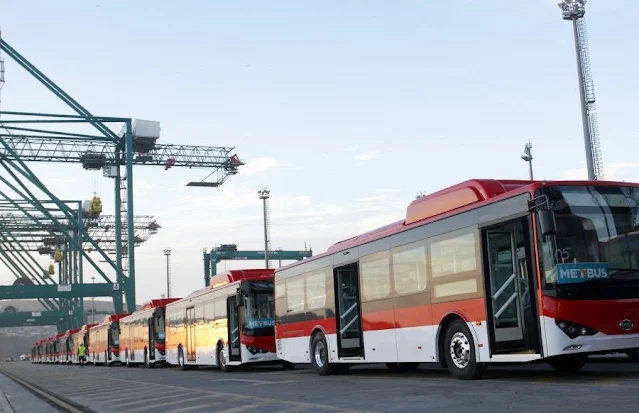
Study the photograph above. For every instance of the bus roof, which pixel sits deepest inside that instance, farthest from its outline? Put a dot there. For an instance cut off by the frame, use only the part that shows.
(114, 317)
(157, 303)
(449, 201)
(232, 276)
(71, 332)
(87, 327)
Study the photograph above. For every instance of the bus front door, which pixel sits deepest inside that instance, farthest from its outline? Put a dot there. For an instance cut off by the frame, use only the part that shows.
(151, 339)
(349, 335)
(190, 334)
(233, 330)
(510, 289)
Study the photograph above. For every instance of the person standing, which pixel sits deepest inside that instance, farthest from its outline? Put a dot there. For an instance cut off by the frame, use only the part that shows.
(82, 353)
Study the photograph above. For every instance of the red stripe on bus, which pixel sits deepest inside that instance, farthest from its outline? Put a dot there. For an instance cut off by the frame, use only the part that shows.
(418, 316)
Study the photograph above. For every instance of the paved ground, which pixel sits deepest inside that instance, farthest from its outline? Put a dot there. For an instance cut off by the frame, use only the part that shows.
(604, 385)
(15, 398)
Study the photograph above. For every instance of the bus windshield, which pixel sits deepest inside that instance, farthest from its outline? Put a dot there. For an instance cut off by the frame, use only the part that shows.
(595, 251)
(158, 325)
(259, 308)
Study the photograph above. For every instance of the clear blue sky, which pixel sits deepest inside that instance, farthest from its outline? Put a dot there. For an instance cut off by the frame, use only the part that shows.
(344, 109)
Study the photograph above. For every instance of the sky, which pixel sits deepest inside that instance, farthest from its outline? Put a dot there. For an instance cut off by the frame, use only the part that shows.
(345, 110)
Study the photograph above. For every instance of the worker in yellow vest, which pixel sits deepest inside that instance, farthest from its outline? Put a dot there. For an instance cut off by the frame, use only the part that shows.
(82, 353)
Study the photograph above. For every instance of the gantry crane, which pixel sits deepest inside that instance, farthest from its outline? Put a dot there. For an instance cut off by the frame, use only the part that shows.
(35, 137)
(20, 235)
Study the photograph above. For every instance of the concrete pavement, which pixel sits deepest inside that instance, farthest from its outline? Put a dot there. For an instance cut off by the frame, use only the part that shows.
(16, 399)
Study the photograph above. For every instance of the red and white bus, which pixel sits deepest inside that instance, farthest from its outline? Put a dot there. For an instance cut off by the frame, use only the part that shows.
(53, 349)
(38, 351)
(105, 340)
(81, 336)
(226, 324)
(142, 334)
(486, 271)
(66, 346)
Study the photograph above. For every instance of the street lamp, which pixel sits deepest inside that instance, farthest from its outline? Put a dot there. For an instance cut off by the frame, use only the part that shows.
(167, 252)
(93, 303)
(526, 155)
(264, 195)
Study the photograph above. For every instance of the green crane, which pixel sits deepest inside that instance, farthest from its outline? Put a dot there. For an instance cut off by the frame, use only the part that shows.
(36, 137)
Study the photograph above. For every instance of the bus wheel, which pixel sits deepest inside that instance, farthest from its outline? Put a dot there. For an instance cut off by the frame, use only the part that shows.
(459, 352)
(221, 360)
(319, 356)
(181, 361)
(568, 364)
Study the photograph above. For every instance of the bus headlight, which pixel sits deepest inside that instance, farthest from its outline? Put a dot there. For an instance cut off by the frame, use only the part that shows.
(574, 330)
(254, 350)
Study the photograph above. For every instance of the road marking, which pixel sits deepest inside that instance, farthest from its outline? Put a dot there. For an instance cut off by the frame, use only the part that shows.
(208, 396)
(258, 382)
(294, 409)
(108, 396)
(245, 408)
(138, 400)
(127, 382)
(188, 409)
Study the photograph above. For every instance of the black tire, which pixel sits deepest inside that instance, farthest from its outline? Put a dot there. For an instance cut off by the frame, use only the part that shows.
(221, 362)
(633, 355)
(181, 359)
(319, 356)
(402, 367)
(568, 364)
(459, 340)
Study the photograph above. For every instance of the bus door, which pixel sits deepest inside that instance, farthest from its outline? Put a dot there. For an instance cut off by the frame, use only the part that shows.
(348, 311)
(151, 340)
(510, 288)
(190, 334)
(233, 329)
(108, 344)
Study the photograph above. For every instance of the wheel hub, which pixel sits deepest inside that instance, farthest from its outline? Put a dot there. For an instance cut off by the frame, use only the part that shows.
(460, 350)
(320, 354)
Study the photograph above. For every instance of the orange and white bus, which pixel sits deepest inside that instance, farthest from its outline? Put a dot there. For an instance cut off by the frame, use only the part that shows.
(81, 336)
(53, 349)
(142, 334)
(35, 352)
(105, 341)
(66, 346)
(39, 351)
(486, 271)
(229, 323)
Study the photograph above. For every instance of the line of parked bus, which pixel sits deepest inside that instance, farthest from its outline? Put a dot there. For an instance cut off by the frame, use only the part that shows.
(483, 272)
(226, 324)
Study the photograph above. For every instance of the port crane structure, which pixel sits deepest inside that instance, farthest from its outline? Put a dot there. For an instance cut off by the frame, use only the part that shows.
(33, 219)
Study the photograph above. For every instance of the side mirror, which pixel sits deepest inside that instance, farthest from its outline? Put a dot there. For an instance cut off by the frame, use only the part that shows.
(547, 222)
(239, 297)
